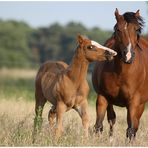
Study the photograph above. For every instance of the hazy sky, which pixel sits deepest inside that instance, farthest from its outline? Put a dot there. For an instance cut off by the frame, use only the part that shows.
(98, 13)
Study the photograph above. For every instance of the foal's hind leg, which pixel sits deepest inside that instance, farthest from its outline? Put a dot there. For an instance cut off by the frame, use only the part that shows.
(40, 102)
(111, 116)
(51, 116)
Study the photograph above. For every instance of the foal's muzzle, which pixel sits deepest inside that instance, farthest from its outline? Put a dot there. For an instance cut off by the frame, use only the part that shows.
(109, 55)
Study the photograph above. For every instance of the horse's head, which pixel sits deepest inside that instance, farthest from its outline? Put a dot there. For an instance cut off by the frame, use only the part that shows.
(127, 32)
(93, 51)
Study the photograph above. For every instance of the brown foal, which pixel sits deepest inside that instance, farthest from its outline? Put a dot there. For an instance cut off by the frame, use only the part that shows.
(66, 87)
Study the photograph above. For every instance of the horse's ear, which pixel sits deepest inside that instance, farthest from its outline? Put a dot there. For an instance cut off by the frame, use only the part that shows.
(137, 14)
(117, 14)
(80, 39)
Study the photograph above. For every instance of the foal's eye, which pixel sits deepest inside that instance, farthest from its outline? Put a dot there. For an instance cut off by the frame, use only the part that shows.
(90, 47)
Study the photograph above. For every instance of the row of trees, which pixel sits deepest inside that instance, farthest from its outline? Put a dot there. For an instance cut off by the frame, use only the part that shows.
(23, 46)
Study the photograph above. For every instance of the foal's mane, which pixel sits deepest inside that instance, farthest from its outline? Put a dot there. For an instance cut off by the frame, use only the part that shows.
(130, 17)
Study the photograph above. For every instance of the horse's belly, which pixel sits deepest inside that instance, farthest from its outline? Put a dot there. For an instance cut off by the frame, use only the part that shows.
(118, 101)
(116, 95)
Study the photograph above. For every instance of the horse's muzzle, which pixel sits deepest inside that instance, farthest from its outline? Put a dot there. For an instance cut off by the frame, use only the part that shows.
(127, 57)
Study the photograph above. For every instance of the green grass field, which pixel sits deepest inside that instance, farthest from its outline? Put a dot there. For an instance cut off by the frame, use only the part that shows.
(17, 117)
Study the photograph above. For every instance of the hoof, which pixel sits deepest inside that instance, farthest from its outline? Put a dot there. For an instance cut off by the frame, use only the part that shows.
(98, 129)
(131, 133)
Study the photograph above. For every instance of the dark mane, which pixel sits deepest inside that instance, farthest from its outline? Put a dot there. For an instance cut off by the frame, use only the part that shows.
(130, 18)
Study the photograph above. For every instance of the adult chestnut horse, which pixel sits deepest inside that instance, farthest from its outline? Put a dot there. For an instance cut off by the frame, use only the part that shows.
(66, 87)
(123, 81)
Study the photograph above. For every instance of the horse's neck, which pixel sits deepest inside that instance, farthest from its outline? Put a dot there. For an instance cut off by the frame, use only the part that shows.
(125, 69)
(77, 70)
(143, 43)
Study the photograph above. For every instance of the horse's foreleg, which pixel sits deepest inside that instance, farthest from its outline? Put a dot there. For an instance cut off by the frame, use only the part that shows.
(111, 116)
(140, 111)
(133, 116)
(83, 112)
(60, 110)
(101, 106)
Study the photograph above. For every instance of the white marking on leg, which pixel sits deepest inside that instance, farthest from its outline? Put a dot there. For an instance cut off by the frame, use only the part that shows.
(103, 47)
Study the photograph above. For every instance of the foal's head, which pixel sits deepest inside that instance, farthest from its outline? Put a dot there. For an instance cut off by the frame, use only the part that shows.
(127, 32)
(92, 51)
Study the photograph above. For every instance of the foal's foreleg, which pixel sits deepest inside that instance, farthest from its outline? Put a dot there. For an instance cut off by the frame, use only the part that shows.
(101, 106)
(83, 112)
(111, 116)
(60, 110)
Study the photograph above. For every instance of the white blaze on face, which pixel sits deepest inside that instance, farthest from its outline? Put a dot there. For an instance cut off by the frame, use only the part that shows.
(125, 27)
(103, 47)
(128, 55)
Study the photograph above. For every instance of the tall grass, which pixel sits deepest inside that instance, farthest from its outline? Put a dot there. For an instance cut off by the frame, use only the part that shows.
(17, 119)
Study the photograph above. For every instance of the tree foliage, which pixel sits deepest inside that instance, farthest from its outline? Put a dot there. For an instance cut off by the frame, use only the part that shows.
(22, 46)
(59, 42)
(14, 49)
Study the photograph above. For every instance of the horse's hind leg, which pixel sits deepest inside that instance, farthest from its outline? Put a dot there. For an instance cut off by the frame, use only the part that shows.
(51, 116)
(111, 116)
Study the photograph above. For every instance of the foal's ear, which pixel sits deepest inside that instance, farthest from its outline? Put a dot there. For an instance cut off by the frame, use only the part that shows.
(80, 39)
(137, 14)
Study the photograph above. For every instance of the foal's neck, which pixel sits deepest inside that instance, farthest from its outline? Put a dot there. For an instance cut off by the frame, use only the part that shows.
(77, 70)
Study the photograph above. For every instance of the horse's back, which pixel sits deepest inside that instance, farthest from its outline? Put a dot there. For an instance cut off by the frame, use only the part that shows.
(51, 66)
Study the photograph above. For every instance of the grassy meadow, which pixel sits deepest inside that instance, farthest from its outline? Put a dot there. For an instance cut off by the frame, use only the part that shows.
(17, 118)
